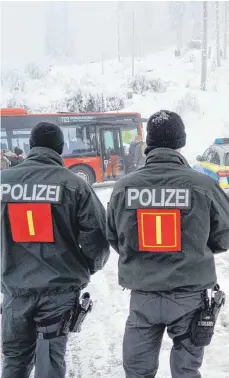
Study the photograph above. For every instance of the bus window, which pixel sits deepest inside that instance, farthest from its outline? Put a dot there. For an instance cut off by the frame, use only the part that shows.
(79, 140)
(128, 136)
(109, 141)
(4, 141)
(20, 139)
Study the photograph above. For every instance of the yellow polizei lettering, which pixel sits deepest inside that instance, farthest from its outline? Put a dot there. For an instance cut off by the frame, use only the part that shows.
(158, 230)
(30, 222)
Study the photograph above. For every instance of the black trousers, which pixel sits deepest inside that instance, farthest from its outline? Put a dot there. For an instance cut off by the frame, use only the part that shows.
(21, 348)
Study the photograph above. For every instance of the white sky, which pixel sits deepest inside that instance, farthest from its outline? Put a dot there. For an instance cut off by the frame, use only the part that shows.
(35, 30)
(27, 27)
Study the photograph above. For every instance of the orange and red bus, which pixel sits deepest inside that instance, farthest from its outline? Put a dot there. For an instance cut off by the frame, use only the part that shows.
(96, 144)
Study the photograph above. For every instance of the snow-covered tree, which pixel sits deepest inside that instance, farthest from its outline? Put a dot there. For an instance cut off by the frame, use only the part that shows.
(196, 19)
(102, 57)
(133, 41)
(217, 34)
(177, 10)
(204, 46)
(119, 18)
(226, 26)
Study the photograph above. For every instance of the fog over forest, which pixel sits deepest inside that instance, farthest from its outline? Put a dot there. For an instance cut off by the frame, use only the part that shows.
(83, 31)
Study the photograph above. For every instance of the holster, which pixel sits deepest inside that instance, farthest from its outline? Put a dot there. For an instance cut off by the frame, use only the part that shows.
(203, 324)
(79, 316)
(69, 321)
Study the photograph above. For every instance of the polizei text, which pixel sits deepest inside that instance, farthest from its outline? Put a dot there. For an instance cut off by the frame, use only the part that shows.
(137, 198)
(30, 193)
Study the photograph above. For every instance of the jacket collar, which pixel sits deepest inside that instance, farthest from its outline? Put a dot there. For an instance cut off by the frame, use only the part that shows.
(45, 155)
(165, 155)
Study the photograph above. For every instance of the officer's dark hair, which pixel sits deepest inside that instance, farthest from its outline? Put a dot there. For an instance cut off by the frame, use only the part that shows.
(48, 135)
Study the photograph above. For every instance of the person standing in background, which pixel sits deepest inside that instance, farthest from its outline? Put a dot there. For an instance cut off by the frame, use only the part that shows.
(136, 156)
(139, 156)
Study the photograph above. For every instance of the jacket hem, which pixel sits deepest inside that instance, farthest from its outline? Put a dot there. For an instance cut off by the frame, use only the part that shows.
(46, 291)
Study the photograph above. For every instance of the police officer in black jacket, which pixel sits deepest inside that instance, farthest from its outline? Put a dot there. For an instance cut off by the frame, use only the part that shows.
(166, 221)
(53, 240)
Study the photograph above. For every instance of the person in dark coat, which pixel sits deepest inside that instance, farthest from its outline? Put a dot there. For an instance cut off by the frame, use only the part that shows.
(166, 221)
(52, 240)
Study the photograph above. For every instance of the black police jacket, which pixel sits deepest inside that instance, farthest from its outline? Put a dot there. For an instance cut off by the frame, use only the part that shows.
(53, 227)
(166, 221)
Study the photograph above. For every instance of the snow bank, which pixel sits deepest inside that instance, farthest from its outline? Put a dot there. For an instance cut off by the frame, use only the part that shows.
(171, 82)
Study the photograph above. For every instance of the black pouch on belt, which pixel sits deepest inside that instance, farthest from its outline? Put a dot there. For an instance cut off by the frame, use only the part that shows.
(204, 321)
(202, 328)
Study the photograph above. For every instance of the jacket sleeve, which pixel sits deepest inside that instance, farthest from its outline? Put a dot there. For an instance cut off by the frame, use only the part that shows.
(91, 219)
(111, 231)
(219, 231)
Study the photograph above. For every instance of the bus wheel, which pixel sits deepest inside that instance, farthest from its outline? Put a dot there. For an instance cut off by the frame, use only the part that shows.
(84, 172)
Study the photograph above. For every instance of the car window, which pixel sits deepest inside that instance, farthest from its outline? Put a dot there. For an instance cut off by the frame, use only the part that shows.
(208, 155)
(205, 154)
(227, 159)
(214, 157)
